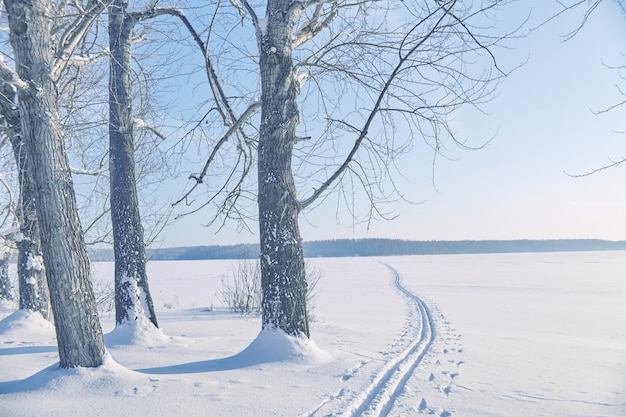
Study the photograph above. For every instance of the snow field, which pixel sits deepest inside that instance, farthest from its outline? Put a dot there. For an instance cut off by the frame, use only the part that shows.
(467, 335)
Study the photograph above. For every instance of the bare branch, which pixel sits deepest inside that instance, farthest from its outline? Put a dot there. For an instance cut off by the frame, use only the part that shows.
(250, 10)
(83, 60)
(593, 4)
(141, 124)
(9, 76)
(95, 173)
(613, 164)
(471, 35)
(374, 112)
(314, 25)
(240, 9)
(224, 106)
(253, 108)
(75, 33)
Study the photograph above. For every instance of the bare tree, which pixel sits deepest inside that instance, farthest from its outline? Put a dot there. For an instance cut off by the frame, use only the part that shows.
(132, 294)
(345, 88)
(39, 59)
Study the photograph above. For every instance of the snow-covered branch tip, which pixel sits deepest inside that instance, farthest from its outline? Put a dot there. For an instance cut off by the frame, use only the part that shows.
(240, 9)
(94, 173)
(74, 34)
(243, 8)
(83, 60)
(9, 76)
(314, 25)
(141, 124)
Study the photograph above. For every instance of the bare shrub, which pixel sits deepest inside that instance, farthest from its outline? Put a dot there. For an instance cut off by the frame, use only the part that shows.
(313, 276)
(104, 291)
(241, 290)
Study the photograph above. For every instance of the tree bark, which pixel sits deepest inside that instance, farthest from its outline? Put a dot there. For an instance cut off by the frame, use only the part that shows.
(283, 274)
(33, 288)
(6, 292)
(132, 295)
(78, 330)
(31, 273)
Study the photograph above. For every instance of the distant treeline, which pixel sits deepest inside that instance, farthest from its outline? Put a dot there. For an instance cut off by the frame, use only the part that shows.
(380, 247)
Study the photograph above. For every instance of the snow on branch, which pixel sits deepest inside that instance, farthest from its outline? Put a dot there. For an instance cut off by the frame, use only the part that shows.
(315, 25)
(96, 172)
(9, 76)
(141, 124)
(75, 33)
(240, 9)
(93, 173)
(83, 60)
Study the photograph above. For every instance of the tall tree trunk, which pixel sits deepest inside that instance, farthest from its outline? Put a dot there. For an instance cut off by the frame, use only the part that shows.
(31, 274)
(33, 288)
(283, 275)
(132, 295)
(78, 330)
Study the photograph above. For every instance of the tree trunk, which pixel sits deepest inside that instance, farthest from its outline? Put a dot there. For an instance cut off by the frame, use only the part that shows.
(6, 292)
(33, 288)
(282, 258)
(30, 268)
(78, 330)
(132, 295)
(31, 274)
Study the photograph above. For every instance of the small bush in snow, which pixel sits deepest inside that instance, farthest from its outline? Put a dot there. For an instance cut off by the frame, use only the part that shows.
(241, 290)
(104, 291)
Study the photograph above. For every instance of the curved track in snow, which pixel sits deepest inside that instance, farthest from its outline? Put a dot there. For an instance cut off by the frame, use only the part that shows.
(379, 397)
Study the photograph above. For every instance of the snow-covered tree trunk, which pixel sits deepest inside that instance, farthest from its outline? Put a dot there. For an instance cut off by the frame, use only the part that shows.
(6, 290)
(30, 269)
(132, 295)
(33, 288)
(283, 274)
(31, 274)
(78, 330)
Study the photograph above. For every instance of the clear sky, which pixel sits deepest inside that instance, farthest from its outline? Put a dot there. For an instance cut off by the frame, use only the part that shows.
(517, 186)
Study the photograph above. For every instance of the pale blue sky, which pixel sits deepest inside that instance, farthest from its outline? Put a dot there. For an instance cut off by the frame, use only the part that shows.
(515, 188)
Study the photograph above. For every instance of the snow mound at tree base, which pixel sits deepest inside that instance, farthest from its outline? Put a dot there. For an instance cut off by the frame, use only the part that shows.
(26, 326)
(274, 345)
(110, 378)
(7, 307)
(140, 332)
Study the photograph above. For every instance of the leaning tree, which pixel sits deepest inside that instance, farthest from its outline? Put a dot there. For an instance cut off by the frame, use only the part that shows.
(344, 87)
(43, 39)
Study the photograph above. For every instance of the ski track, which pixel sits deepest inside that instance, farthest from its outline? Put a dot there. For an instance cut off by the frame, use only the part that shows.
(379, 397)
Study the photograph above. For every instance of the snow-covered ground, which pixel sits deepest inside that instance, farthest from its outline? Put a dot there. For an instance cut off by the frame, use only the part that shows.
(465, 335)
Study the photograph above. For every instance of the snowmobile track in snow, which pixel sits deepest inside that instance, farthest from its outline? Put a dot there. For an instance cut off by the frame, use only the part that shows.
(378, 398)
